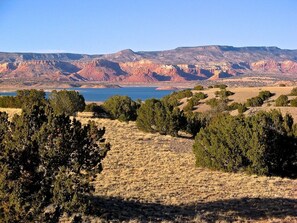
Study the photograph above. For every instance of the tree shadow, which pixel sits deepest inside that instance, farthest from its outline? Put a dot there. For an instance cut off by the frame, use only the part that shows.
(117, 209)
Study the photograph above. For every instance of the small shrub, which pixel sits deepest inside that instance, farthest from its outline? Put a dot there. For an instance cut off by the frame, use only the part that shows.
(294, 91)
(223, 93)
(200, 96)
(240, 107)
(264, 95)
(221, 86)
(122, 108)
(173, 98)
(158, 116)
(282, 101)
(254, 102)
(97, 110)
(261, 144)
(293, 102)
(213, 102)
(189, 106)
(199, 88)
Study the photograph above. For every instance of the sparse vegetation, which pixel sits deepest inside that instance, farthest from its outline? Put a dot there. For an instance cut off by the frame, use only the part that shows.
(263, 143)
(221, 86)
(223, 94)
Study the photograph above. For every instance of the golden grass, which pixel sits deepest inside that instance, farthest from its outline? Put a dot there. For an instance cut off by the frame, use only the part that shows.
(243, 93)
(150, 177)
(11, 111)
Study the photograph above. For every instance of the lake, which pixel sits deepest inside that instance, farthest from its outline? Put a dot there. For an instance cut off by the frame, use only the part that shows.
(101, 94)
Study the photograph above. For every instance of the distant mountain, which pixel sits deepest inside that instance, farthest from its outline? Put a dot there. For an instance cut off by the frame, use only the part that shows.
(178, 65)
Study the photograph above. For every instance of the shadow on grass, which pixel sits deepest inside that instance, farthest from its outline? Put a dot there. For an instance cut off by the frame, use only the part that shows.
(117, 209)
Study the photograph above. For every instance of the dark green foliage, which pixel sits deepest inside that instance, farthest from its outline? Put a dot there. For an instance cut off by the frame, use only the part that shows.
(47, 160)
(198, 88)
(122, 108)
(223, 94)
(294, 91)
(173, 98)
(9, 102)
(262, 144)
(29, 98)
(221, 86)
(199, 96)
(264, 95)
(254, 102)
(218, 105)
(98, 110)
(293, 102)
(66, 102)
(158, 116)
(194, 122)
(210, 86)
(233, 106)
(24, 99)
(259, 100)
(282, 85)
(213, 102)
(240, 107)
(189, 106)
(282, 101)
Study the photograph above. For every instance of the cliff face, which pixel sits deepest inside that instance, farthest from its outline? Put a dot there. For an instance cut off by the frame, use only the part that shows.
(181, 64)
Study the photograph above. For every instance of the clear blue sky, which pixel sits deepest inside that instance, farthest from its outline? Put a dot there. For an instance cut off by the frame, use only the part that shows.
(107, 26)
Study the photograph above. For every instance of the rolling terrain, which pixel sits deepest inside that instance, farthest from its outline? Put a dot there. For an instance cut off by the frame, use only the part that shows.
(179, 65)
(152, 178)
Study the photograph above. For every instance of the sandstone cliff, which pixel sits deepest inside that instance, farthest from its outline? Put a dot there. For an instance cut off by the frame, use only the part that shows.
(178, 65)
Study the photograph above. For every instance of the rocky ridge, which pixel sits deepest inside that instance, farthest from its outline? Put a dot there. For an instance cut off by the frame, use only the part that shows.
(178, 65)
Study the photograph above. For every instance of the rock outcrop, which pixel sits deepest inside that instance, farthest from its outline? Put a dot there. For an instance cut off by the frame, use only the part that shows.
(178, 65)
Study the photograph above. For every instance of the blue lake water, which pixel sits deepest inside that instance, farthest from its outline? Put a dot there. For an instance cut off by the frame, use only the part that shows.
(101, 94)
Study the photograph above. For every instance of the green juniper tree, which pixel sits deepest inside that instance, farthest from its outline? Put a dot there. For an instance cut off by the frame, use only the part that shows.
(47, 160)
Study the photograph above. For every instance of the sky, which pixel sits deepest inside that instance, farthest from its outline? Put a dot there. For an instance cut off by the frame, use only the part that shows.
(108, 26)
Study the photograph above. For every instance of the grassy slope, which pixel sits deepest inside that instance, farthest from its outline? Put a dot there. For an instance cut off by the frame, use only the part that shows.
(149, 177)
(243, 93)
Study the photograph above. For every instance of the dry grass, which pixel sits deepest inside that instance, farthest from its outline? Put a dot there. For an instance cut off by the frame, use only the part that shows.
(153, 178)
(243, 93)
(11, 111)
(150, 177)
